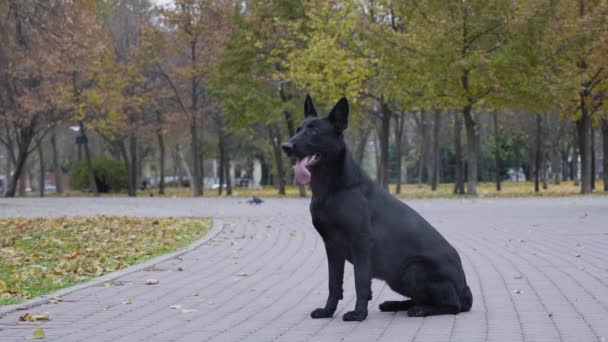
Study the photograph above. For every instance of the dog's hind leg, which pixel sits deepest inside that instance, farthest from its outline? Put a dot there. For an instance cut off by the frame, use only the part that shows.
(442, 300)
(396, 305)
(427, 310)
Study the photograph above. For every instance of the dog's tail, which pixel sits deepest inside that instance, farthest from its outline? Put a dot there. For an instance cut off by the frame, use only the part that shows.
(466, 299)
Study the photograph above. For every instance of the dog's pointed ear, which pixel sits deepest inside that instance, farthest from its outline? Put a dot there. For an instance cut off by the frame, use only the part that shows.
(309, 108)
(339, 115)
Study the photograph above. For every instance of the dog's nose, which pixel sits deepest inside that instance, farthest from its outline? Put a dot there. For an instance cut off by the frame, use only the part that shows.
(287, 147)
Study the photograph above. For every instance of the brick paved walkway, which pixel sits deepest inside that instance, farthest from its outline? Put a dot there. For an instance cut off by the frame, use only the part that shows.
(538, 269)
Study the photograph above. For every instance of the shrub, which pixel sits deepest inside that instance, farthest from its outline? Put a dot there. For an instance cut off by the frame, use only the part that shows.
(110, 175)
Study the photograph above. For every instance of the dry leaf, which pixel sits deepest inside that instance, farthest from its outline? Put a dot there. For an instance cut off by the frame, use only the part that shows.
(176, 307)
(38, 334)
(152, 282)
(518, 291)
(187, 310)
(127, 301)
(242, 274)
(25, 317)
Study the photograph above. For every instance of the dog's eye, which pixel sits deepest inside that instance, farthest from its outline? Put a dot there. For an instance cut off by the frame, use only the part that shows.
(311, 132)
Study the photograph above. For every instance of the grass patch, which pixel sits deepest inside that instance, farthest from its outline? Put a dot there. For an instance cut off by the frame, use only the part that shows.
(40, 255)
(408, 191)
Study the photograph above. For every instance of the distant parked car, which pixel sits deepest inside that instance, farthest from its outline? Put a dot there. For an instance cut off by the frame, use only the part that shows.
(242, 182)
(216, 186)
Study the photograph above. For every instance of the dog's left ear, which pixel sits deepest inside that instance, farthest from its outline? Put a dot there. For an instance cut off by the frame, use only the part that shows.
(339, 115)
(309, 108)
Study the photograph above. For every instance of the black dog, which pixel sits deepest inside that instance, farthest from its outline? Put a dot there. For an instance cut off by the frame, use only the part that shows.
(362, 223)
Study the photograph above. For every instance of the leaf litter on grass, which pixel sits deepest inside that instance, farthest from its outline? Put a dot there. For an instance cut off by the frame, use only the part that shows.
(40, 255)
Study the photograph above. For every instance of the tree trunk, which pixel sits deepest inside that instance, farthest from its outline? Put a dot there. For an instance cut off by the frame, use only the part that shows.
(592, 156)
(161, 154)
(399, 128)
(275, 140)
(56, 165)
(292, 131)
(458, 166)
(583, 126)
(423, 148)
(228, 177)
(377, 155)
(538, 152)
(161, 162)
(87, 156)
(575, 157)
(197, 190)
(19, 166)
(605, 151)
(385, 131)
(471, 130)
(436, 156)
(497, 151)
(132, 166)
(565, 165)
(10, 160)
(42, 169)
(222, 166)
(555, 161)
(362, 144)
(185, 168)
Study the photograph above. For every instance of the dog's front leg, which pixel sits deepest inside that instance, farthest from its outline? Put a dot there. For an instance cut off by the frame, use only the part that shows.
(363, 278)
(335, 265)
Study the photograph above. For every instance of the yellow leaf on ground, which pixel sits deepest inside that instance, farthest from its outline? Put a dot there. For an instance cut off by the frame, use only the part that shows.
(152, 282)
(38, 334)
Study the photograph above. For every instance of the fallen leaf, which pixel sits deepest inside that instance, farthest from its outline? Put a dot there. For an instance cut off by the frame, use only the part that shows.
(40, 318)
(38, 334)
(176, 307)
(242, 274)
(152, 282)
(127, 301)
(187, 310)
(55, 300)
(195, 294)
(518, 291)
(180, 269)
(292, 233)
(578, 255)
(578, 244)
(25, 317)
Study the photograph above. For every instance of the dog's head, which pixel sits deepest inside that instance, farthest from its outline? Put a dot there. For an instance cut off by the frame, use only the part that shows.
(317, 140)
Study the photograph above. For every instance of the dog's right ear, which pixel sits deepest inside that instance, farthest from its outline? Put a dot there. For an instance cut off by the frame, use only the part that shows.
(309, 108)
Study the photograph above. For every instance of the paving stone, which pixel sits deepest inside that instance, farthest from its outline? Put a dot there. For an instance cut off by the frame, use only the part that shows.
(537, 269)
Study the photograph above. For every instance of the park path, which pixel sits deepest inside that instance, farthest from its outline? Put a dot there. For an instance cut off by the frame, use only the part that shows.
(538, 270)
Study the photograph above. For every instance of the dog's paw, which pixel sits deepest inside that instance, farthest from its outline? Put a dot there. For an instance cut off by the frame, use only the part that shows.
(418, 311)
(390, 306)
(355, 316)
(322, 313)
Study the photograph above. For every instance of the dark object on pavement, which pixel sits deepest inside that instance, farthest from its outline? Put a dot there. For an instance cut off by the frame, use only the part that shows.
(380, 235)
(255, 200)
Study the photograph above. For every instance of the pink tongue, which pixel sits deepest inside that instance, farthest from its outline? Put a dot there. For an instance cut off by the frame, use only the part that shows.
(302, 173)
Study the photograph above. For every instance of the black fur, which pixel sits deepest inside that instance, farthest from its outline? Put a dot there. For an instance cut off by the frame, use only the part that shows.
(380, 235)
